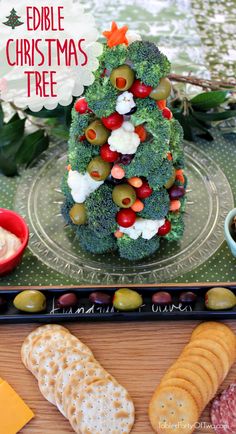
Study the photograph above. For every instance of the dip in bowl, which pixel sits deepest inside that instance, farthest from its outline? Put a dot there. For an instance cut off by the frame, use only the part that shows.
(14, 224)
(230, 231)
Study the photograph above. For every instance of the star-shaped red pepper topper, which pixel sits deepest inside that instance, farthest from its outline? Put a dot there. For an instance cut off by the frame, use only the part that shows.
(116, 36)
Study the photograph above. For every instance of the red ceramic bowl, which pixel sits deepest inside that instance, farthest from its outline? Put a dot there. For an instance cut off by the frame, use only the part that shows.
(14, 223)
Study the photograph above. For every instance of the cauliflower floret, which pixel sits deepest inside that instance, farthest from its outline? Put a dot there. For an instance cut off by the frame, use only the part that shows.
(132, 36)
(145, 228)
(81, 185)
(125, 102)
(124, 139)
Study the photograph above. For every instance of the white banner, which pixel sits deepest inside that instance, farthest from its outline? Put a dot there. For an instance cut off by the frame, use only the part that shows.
(48, 51)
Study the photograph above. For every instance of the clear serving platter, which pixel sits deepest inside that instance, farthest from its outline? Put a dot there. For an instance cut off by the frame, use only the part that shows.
(39, 200)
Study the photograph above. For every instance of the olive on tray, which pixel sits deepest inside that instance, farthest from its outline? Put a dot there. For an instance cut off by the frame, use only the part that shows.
(67, 300)
(162, 298)
(100, 298)
(187, 298)
(30, 301)
(219, 298)
(3, 303)
(126, 299)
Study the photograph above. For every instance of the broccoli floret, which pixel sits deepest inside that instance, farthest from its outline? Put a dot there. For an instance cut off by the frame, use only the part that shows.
(156, 206)
(101, 211)
(101, 97)
(64, 185)
(145, 108)
(90, 242)
(80, 154)
(148, 62)
(65, 209)
(177, 226)
(148, 156)
(159, 177)
(176, 144)
(113, 57)
(80, 123)
(137, 249)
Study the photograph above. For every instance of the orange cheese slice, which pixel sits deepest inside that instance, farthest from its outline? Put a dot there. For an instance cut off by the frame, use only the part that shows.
(15, 414)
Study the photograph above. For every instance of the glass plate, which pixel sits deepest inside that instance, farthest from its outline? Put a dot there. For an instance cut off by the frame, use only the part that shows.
(39, 200)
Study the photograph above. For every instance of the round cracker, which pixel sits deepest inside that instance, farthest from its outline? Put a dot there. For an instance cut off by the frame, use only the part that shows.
(43, 343)
(201, 352)
(173, 410)
(27, 344)
(211, 325)
(192, 376)
(186, 363)
(186, 385)
(76, 384)
(207, 366)
(216, 348)
(52, 362)
(51, 342)
(63, 379)
(227, 340)
(104, 407)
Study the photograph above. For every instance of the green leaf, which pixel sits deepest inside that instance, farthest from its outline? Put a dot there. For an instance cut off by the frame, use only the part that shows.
(185, 123)
(32, 146)
(11, 137)
(201, 126)
(208, 100)
(217, 116)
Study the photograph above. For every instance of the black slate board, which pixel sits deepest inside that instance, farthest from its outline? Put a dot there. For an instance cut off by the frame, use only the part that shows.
(87, 311)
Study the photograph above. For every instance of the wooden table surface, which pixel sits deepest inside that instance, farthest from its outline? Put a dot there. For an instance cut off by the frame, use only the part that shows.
(136, 353)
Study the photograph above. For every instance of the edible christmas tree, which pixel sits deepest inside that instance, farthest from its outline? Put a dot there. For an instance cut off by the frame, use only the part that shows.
(125, 185)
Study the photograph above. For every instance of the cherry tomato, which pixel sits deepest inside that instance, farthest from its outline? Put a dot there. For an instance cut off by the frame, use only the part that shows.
(166, 113)
(81, 106)
(164, 229)
(144, 191)
(107, 154)
(142, 133)
(114, 121)
(126, 217)
(140, 90)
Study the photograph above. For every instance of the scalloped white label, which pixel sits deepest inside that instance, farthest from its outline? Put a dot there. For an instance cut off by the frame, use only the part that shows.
(48, 51)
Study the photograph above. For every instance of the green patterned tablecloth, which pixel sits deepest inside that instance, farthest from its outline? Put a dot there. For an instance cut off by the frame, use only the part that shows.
(170, 23)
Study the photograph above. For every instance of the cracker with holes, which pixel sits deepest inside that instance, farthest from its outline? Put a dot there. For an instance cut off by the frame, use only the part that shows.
(104, 407)
(27, 344)
(52, 362)
(91, 372)
(173, 410)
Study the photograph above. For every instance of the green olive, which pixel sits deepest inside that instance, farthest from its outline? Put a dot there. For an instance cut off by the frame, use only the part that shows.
(99, 169)
(122, 77)
(96, 133)
(126, 299)
(78, 214)
(170, 181)
(30, 301)
(220, 298)
(162, 91)
(124, 195)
